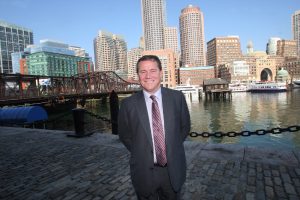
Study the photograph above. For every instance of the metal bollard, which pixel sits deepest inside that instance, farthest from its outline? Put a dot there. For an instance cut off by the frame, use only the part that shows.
(114, 111)
(78, 117)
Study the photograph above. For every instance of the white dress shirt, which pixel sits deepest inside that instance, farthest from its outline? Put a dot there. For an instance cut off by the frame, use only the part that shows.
(148, 101)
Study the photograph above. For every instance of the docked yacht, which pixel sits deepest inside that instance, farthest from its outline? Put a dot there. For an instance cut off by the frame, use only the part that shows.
(267, 87)
(188, 88)
(297, 82)
(238, 87)
(190, 91)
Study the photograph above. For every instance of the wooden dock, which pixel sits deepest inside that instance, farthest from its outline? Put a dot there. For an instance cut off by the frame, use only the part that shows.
(218, 94)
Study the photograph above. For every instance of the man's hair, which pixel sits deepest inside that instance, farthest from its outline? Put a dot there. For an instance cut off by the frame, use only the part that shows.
(151, 58)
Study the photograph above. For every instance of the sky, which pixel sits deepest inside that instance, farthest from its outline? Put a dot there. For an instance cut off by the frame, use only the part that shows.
(77, 22)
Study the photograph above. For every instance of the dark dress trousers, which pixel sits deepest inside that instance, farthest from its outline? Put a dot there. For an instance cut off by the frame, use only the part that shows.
(135, 133)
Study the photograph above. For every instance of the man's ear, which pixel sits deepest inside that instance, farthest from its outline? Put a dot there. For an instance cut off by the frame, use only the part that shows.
(161, 73)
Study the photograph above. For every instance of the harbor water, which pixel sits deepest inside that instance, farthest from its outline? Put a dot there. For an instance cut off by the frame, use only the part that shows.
(249, 112)
(245, 111)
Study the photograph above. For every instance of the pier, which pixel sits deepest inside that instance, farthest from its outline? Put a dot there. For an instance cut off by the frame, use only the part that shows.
(46, 164)
(216, 88)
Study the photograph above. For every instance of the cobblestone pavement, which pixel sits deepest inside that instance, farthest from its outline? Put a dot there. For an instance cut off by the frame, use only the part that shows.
(42, 164)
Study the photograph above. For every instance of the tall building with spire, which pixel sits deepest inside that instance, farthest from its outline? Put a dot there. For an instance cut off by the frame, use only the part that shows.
(13, 38)
(296, 29)
(154, 21)
(192, 39)
(250, 49)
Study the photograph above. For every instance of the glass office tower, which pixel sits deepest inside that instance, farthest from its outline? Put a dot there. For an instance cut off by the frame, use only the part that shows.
(13, 38)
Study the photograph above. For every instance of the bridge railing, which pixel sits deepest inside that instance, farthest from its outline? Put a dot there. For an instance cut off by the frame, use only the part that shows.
(18, 86)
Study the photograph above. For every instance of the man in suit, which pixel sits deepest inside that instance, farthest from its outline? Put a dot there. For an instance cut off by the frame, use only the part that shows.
(156, 172)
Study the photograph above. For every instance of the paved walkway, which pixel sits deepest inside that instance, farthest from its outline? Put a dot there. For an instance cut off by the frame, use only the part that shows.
(42, 164)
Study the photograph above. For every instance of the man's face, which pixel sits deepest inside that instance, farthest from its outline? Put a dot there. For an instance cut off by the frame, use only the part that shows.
(149, 76)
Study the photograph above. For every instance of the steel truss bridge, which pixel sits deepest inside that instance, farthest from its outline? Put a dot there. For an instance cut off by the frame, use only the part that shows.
(21, 89)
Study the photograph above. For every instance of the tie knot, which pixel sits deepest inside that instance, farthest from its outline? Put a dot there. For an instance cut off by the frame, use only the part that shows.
(153, 97)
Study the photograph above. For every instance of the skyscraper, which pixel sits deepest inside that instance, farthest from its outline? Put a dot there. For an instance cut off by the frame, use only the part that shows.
(110, 52)
(272, 46)
(168, 62)
(192, 36)
(154, 21)
(171, 42)
(221, 50)
(104, 51)
(13, 38)
(171, 38)
(296, 29)
(287, 48)
(120, 53)
(133, 56)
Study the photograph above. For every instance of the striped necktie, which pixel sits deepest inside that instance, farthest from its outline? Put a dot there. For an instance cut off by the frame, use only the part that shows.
(158, 135)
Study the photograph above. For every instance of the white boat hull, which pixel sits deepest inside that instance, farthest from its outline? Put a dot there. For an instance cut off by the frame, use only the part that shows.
(297, 82)
(267, 87)
(238, 88)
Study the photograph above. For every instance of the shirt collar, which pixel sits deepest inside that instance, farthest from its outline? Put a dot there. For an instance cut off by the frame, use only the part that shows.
(157, 94)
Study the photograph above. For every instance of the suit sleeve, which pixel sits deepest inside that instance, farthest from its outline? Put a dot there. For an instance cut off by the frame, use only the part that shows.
(185, 118)
(123, 125)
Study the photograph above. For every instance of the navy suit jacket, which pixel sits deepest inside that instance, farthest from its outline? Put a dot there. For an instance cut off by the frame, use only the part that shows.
(135, 133)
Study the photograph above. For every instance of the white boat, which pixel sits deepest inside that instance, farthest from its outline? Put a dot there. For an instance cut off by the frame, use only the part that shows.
(296, 82)
(190, 91)
(267, 87)
(188, 88)
(238, 87)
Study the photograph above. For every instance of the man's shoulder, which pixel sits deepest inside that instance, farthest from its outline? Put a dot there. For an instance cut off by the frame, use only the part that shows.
(133, 97)
(170, 91)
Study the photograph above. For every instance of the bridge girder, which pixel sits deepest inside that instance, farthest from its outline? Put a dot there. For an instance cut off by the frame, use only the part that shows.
(19, 87)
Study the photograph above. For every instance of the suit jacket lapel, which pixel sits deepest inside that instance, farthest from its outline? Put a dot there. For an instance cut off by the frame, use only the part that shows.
(143, 115)
(166, 109)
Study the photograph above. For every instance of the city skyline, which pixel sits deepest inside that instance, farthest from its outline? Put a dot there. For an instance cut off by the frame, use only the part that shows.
(78, 23)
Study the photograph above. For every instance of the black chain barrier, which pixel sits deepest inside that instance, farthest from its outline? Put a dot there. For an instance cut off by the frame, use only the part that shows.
(219, 134)
(98, 116)
(58, 117)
